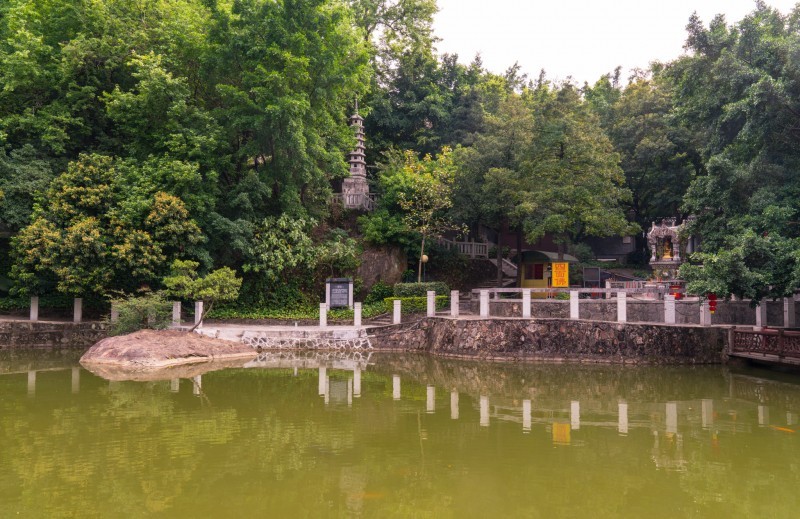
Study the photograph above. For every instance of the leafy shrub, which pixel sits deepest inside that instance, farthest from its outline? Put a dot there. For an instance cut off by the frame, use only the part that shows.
(378, 293)
(410, 305)
(150, 310)
(562, 296)
(421, 289)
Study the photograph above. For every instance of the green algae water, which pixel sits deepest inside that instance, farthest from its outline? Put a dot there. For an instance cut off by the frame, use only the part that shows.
(306, 435)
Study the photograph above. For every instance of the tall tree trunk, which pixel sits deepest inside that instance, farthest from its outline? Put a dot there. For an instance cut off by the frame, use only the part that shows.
(519, 255)
(421, 254)
(499, 262)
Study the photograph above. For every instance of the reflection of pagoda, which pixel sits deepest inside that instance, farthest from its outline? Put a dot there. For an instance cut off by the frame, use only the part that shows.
(666, 249)
(355, 190)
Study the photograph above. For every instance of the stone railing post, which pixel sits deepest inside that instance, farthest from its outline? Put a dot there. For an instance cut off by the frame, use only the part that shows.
(198, 313)
(114, 313)
(431, 303)
(669, 309)
(574, 305)
(454, 295)
(356, 314)
(398, 311)
(789, 320)
(34, 308)
(77, 310)
(622, 307)
(761, 315)
(484, 303)
(705, 314)
(176, 313)
(526, 304)
(323, 315)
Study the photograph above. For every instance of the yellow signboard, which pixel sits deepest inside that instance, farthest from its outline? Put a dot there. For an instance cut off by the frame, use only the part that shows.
(560, 275)
(561, 433)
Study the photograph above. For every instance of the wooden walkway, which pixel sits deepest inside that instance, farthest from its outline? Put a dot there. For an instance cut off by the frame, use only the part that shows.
(774, 346)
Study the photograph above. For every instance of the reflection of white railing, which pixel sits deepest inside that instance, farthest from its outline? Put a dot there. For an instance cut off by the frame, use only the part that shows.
(364, 201)
(470, 249)
(305, 359)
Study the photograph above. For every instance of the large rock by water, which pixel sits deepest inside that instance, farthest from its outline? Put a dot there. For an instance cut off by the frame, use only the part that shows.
(149, 349)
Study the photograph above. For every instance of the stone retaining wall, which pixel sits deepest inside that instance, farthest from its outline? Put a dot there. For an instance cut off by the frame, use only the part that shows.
(557, 339)
(41, 334)
(686, 312)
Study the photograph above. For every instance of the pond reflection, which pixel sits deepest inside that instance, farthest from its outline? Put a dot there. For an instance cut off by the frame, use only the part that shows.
(398, 435)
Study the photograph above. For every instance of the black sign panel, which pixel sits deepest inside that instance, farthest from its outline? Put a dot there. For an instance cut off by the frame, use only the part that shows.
(339, 292)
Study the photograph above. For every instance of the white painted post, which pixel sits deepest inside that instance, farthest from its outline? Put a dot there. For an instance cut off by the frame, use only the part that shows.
(622, 423)
(327, 294)
(484, 303)
(669, 309)
(526, 416)
(34, 308)
(622, 307)
(761, 316)
(76, 379)
(431, 303)
(350, 294)
(349, 392)
(763, 415)
(396, 387)
(707, 412)
(77, 311)
(526, 304)
(454, 295)
(198, 313)
(31, 383)
(705, 314)
(575, 415)
(114, 313)
(176, 313)
(430, 404)
(323, 315)
(398, 311)
(789, 320)
(321, 380)
(484, 406)
(356, 314)
(672, 417)
(357, 382)
(574, 305)
(454, 405)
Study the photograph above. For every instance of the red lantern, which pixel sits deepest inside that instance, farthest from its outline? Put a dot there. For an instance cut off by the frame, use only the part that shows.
(712, 302)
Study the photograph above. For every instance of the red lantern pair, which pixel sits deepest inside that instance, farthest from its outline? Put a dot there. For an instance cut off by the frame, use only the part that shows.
(712, 302)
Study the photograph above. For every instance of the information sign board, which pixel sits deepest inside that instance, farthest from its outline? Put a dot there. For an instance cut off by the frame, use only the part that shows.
(339, 292)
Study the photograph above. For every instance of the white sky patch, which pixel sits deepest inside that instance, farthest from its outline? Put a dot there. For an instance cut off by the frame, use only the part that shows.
(579, 38)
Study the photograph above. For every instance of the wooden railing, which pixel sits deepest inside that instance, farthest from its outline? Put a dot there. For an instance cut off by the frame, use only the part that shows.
(767, 342)
(471, 249)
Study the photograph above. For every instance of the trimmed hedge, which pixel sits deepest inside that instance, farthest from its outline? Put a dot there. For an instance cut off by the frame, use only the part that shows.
(421, 289)
(231, 312)
(412, 305)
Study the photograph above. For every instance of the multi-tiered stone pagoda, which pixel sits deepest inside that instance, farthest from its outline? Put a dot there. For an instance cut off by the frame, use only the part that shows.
(355, 189)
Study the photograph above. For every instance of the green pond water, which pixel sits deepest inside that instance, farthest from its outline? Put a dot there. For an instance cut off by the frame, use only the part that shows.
(398, 436)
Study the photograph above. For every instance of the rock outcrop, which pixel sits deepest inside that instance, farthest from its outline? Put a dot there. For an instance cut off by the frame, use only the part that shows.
(150, 349)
